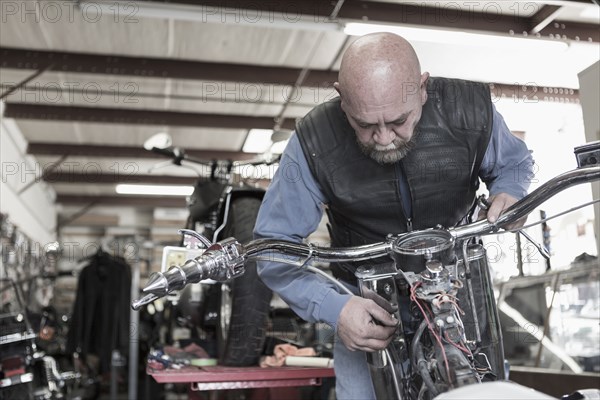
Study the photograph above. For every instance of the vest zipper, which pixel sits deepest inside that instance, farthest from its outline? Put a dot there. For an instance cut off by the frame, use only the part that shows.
(409, 225)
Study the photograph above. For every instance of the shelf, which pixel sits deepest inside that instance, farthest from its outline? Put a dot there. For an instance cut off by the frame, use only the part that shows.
(16, 380)
(16, 337)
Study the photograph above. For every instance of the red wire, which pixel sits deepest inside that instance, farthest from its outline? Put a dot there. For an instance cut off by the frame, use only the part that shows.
(413, 297)
(458, 346)
(455, 305)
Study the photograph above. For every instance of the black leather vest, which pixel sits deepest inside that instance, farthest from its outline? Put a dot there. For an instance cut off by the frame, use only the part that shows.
(441, 170)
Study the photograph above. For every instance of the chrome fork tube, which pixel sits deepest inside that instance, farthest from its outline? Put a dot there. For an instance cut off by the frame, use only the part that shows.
(385, 366)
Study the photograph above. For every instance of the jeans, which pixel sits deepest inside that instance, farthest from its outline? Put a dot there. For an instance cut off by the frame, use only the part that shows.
(353, 381)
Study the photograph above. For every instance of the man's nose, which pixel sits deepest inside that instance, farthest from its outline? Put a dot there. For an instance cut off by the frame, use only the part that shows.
(384, 136)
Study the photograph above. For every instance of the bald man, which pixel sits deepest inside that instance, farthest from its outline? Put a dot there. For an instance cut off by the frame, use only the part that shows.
(396, 151)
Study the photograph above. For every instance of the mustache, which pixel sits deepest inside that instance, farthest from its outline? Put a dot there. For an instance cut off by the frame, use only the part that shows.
(391, 153)
(396, 144)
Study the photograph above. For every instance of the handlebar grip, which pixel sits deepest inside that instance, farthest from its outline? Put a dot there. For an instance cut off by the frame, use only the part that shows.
(221, 262)
(147, 299)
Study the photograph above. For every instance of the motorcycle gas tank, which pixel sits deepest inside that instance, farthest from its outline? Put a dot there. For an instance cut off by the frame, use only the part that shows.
(494, 391)
(205, 198)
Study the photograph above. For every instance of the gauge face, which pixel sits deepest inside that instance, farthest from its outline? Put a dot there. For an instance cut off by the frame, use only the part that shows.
(420, 242)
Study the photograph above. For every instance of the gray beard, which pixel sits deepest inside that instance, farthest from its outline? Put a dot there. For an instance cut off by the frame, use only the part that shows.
(389, 156)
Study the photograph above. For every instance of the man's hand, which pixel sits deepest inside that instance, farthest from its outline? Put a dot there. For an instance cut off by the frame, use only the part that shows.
(499, 203)
(363, 325)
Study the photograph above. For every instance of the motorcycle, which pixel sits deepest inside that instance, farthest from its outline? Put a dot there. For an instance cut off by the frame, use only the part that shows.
(452, 338)
(235, 312)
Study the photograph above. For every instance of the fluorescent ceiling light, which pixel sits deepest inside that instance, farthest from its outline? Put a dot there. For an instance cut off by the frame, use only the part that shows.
(258, 141)
(155, 190)
(206, 14)
(458, 37)
(593, 11)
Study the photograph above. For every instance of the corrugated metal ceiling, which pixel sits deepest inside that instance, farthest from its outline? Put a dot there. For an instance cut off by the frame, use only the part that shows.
(245, 43)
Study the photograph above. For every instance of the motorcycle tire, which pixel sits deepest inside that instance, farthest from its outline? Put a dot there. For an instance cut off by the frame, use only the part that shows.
(245, 301)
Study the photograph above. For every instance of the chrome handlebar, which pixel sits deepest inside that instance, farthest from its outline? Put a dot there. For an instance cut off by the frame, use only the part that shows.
(221, 262)
(528, 203)
(225, 260)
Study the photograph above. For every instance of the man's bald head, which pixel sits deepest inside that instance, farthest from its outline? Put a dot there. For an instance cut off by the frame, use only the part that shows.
(379, 65)
(382, 93)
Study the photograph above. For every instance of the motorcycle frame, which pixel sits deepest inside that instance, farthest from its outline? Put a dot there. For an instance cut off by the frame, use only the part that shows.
(225, 260)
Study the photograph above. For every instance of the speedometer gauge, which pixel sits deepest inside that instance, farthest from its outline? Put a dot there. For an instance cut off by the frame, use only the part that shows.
(421, 241)
(412, 250)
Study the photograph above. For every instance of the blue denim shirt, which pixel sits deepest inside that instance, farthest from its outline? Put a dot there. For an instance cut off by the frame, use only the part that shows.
(293, 207)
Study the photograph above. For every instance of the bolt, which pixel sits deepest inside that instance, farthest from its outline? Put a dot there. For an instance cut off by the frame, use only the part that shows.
(450, 319)
(439, 323)
(387, 288)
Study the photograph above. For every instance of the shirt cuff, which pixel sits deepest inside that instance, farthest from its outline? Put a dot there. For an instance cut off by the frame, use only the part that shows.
(331, 306)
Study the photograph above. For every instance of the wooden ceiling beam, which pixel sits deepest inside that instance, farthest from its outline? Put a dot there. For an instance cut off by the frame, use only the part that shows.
(122, 200)
(88, 150)
(99, 178)
(544, 17)
(140, 117)
(146, 67)
(145, 179)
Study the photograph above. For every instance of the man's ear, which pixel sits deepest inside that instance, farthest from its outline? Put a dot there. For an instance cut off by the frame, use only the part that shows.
(336, 86)
(423, 88)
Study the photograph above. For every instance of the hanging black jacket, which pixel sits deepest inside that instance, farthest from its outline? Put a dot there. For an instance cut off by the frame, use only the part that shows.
(100, 318)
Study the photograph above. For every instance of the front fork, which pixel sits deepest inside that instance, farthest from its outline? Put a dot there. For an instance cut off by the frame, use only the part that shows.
(387, 367)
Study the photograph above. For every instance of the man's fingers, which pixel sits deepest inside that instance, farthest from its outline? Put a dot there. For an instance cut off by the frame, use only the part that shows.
(498, 204)
(381, 315)
(381, 302)
(374, 341)
(363, 325)
(372, 345)
(379, 332)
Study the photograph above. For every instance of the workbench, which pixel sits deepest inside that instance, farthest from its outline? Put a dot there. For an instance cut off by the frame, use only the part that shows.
(273, 382)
